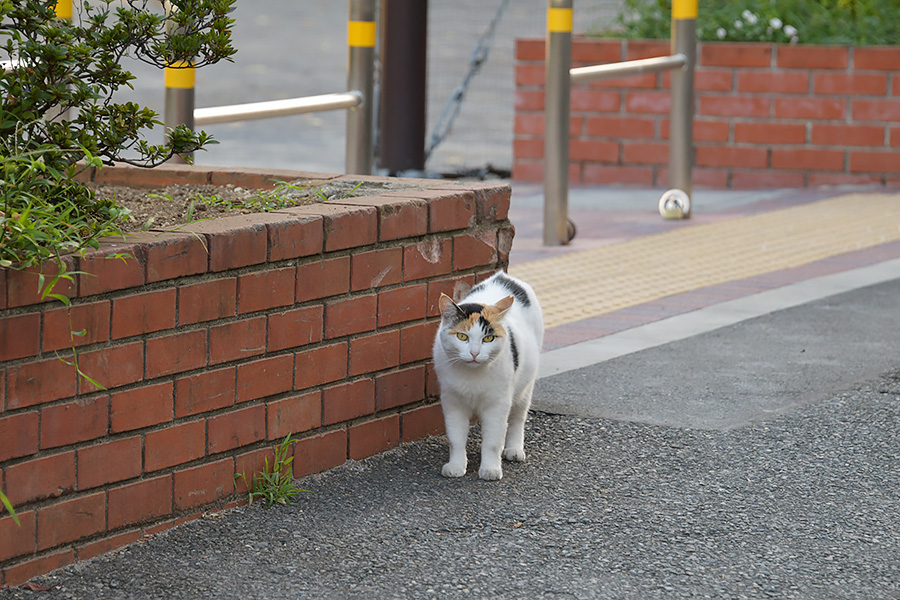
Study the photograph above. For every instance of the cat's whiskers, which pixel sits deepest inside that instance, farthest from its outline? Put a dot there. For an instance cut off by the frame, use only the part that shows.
(457, 359)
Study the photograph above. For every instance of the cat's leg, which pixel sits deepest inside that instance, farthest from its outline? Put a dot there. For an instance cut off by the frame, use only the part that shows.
(493, 432)
(456, 421)
(515, 433)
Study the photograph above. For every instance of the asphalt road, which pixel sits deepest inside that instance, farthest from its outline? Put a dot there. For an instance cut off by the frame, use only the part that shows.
(799, 499)
(734, 376)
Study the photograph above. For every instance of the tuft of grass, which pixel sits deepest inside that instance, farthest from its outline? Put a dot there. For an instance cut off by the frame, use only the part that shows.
(284, 195)
(274, 483)
(44, 213)
(263, 201)
(351, 193)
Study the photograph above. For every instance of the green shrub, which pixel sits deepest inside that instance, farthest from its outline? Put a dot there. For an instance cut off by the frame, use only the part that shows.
(55, 65)
(849, 22)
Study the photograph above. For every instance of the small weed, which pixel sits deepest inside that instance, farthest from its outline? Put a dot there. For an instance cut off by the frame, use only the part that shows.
(9, 508)
(44, 213)
(348, 194)
(284, 195)
(163, 197)
(270, 200)
(261, 202)
(274, 484)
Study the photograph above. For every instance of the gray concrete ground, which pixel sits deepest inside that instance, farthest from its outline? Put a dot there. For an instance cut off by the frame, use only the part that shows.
(757, 460)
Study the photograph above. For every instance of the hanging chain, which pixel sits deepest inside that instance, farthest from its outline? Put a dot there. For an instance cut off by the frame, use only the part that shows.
(454, 103)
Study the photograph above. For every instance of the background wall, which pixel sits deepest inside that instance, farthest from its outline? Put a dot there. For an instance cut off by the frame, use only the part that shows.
(766, 116)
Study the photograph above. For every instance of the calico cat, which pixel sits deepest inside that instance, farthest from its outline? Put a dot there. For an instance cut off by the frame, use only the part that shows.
(486, 358)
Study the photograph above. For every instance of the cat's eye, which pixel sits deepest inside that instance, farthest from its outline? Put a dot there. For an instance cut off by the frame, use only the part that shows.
(487, 339)
(462, 337)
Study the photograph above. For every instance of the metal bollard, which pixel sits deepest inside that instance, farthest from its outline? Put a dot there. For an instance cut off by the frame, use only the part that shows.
(556, 122)
(681, 117)
(63, 10)
(361, 77)
(179, 99)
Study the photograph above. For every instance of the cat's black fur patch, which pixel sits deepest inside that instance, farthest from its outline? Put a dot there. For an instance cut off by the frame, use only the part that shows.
(470, 308)
(477, 288)
(517, 290)
(515, 351)
(514, 288)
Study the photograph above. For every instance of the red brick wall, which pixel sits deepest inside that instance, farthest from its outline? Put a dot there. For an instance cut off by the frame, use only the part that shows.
(214, 343)
(766, 116)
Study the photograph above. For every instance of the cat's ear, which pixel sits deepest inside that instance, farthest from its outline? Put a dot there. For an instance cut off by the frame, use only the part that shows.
(503, 305)
(448, 306)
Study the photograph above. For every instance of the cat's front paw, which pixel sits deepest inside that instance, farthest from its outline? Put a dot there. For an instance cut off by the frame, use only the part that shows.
(453, 470)
(514, 454)
(490, 473)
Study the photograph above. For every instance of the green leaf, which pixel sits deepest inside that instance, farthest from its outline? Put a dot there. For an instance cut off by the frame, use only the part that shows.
(90, 380)
(9, 508)
(59, 297)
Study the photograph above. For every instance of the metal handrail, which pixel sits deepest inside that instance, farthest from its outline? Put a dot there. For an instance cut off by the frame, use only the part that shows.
(277, 108)
(626, 68)
(359, 100)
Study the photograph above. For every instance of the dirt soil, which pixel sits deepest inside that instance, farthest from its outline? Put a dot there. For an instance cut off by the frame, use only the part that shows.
(175, 205)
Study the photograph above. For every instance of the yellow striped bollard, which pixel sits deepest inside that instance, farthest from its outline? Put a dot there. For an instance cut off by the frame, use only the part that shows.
(361, 37)
(63, 10)
(180, 81)
(558, 52)
(179, 107)
(676, 202)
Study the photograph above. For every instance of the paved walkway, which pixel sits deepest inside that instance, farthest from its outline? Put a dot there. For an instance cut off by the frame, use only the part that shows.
(682, 259)
(724, 427)
(628, 267)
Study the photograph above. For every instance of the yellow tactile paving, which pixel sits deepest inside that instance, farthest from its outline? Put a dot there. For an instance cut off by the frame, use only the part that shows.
(589, 283)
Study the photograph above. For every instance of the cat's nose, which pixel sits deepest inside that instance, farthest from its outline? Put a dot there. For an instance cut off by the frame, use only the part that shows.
(474, 354)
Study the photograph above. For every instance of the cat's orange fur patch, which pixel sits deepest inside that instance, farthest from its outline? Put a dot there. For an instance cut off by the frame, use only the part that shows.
(491, 313)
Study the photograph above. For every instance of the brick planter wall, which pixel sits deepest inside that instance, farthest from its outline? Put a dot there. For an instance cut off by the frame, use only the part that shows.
(217, 341)
(767, 115)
